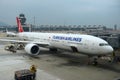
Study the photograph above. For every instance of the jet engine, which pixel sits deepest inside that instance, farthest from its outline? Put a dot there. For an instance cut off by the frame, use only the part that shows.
(32, 49)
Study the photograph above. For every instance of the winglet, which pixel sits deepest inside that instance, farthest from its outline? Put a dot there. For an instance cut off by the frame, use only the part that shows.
(20, 28)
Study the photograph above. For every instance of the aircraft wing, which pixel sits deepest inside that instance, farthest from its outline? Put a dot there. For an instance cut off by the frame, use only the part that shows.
(40, 43)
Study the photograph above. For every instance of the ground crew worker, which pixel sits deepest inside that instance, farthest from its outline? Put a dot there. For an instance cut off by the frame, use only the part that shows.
(33, 71)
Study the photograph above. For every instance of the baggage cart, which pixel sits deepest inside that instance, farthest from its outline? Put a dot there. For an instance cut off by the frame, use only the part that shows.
(23, 75)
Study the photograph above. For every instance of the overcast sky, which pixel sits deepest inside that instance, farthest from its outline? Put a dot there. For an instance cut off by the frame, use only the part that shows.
(60, 12)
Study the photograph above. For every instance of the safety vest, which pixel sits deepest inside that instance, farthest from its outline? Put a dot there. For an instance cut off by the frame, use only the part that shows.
(33, 69)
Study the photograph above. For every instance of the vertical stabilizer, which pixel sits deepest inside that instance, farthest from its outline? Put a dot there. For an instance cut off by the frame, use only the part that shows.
(20, 28)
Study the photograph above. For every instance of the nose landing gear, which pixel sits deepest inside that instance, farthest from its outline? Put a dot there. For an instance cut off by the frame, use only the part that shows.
(93, 61)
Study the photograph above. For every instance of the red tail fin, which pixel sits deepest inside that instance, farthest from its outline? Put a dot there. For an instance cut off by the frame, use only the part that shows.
(20, 28)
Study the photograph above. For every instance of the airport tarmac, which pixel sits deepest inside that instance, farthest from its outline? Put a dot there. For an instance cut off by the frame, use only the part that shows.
(55, 66)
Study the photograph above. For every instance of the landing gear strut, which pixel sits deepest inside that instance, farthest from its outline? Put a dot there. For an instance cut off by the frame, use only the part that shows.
(95, 62)
(53, 49)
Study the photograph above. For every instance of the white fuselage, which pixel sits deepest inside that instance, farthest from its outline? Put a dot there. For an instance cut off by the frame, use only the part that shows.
(10, 34)
(83, 43)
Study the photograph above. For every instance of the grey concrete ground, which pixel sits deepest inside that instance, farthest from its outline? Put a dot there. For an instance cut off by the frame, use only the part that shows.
(57, 66)
(9, 63)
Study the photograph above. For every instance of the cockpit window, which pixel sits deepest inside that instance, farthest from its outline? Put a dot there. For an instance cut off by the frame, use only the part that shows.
(103, 44)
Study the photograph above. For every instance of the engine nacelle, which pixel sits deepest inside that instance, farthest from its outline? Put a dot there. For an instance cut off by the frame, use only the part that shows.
(32, 49)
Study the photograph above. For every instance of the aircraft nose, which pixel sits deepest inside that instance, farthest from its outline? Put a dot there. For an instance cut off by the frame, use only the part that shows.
(109, 49)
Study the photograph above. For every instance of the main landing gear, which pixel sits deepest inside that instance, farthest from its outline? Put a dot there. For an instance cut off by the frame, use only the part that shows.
(95, 62)
(53, 49)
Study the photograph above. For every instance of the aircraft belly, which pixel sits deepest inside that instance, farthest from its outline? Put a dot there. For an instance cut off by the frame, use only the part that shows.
(86, 49)
(61, 45)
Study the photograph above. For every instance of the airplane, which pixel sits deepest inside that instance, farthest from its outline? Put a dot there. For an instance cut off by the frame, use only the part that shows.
(80, 43)
(10, 34)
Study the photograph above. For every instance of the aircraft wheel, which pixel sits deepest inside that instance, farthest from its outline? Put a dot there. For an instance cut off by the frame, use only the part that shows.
(95, 62)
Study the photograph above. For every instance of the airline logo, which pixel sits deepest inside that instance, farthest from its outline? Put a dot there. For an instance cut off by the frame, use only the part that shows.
(19, 25)
(76, 39)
